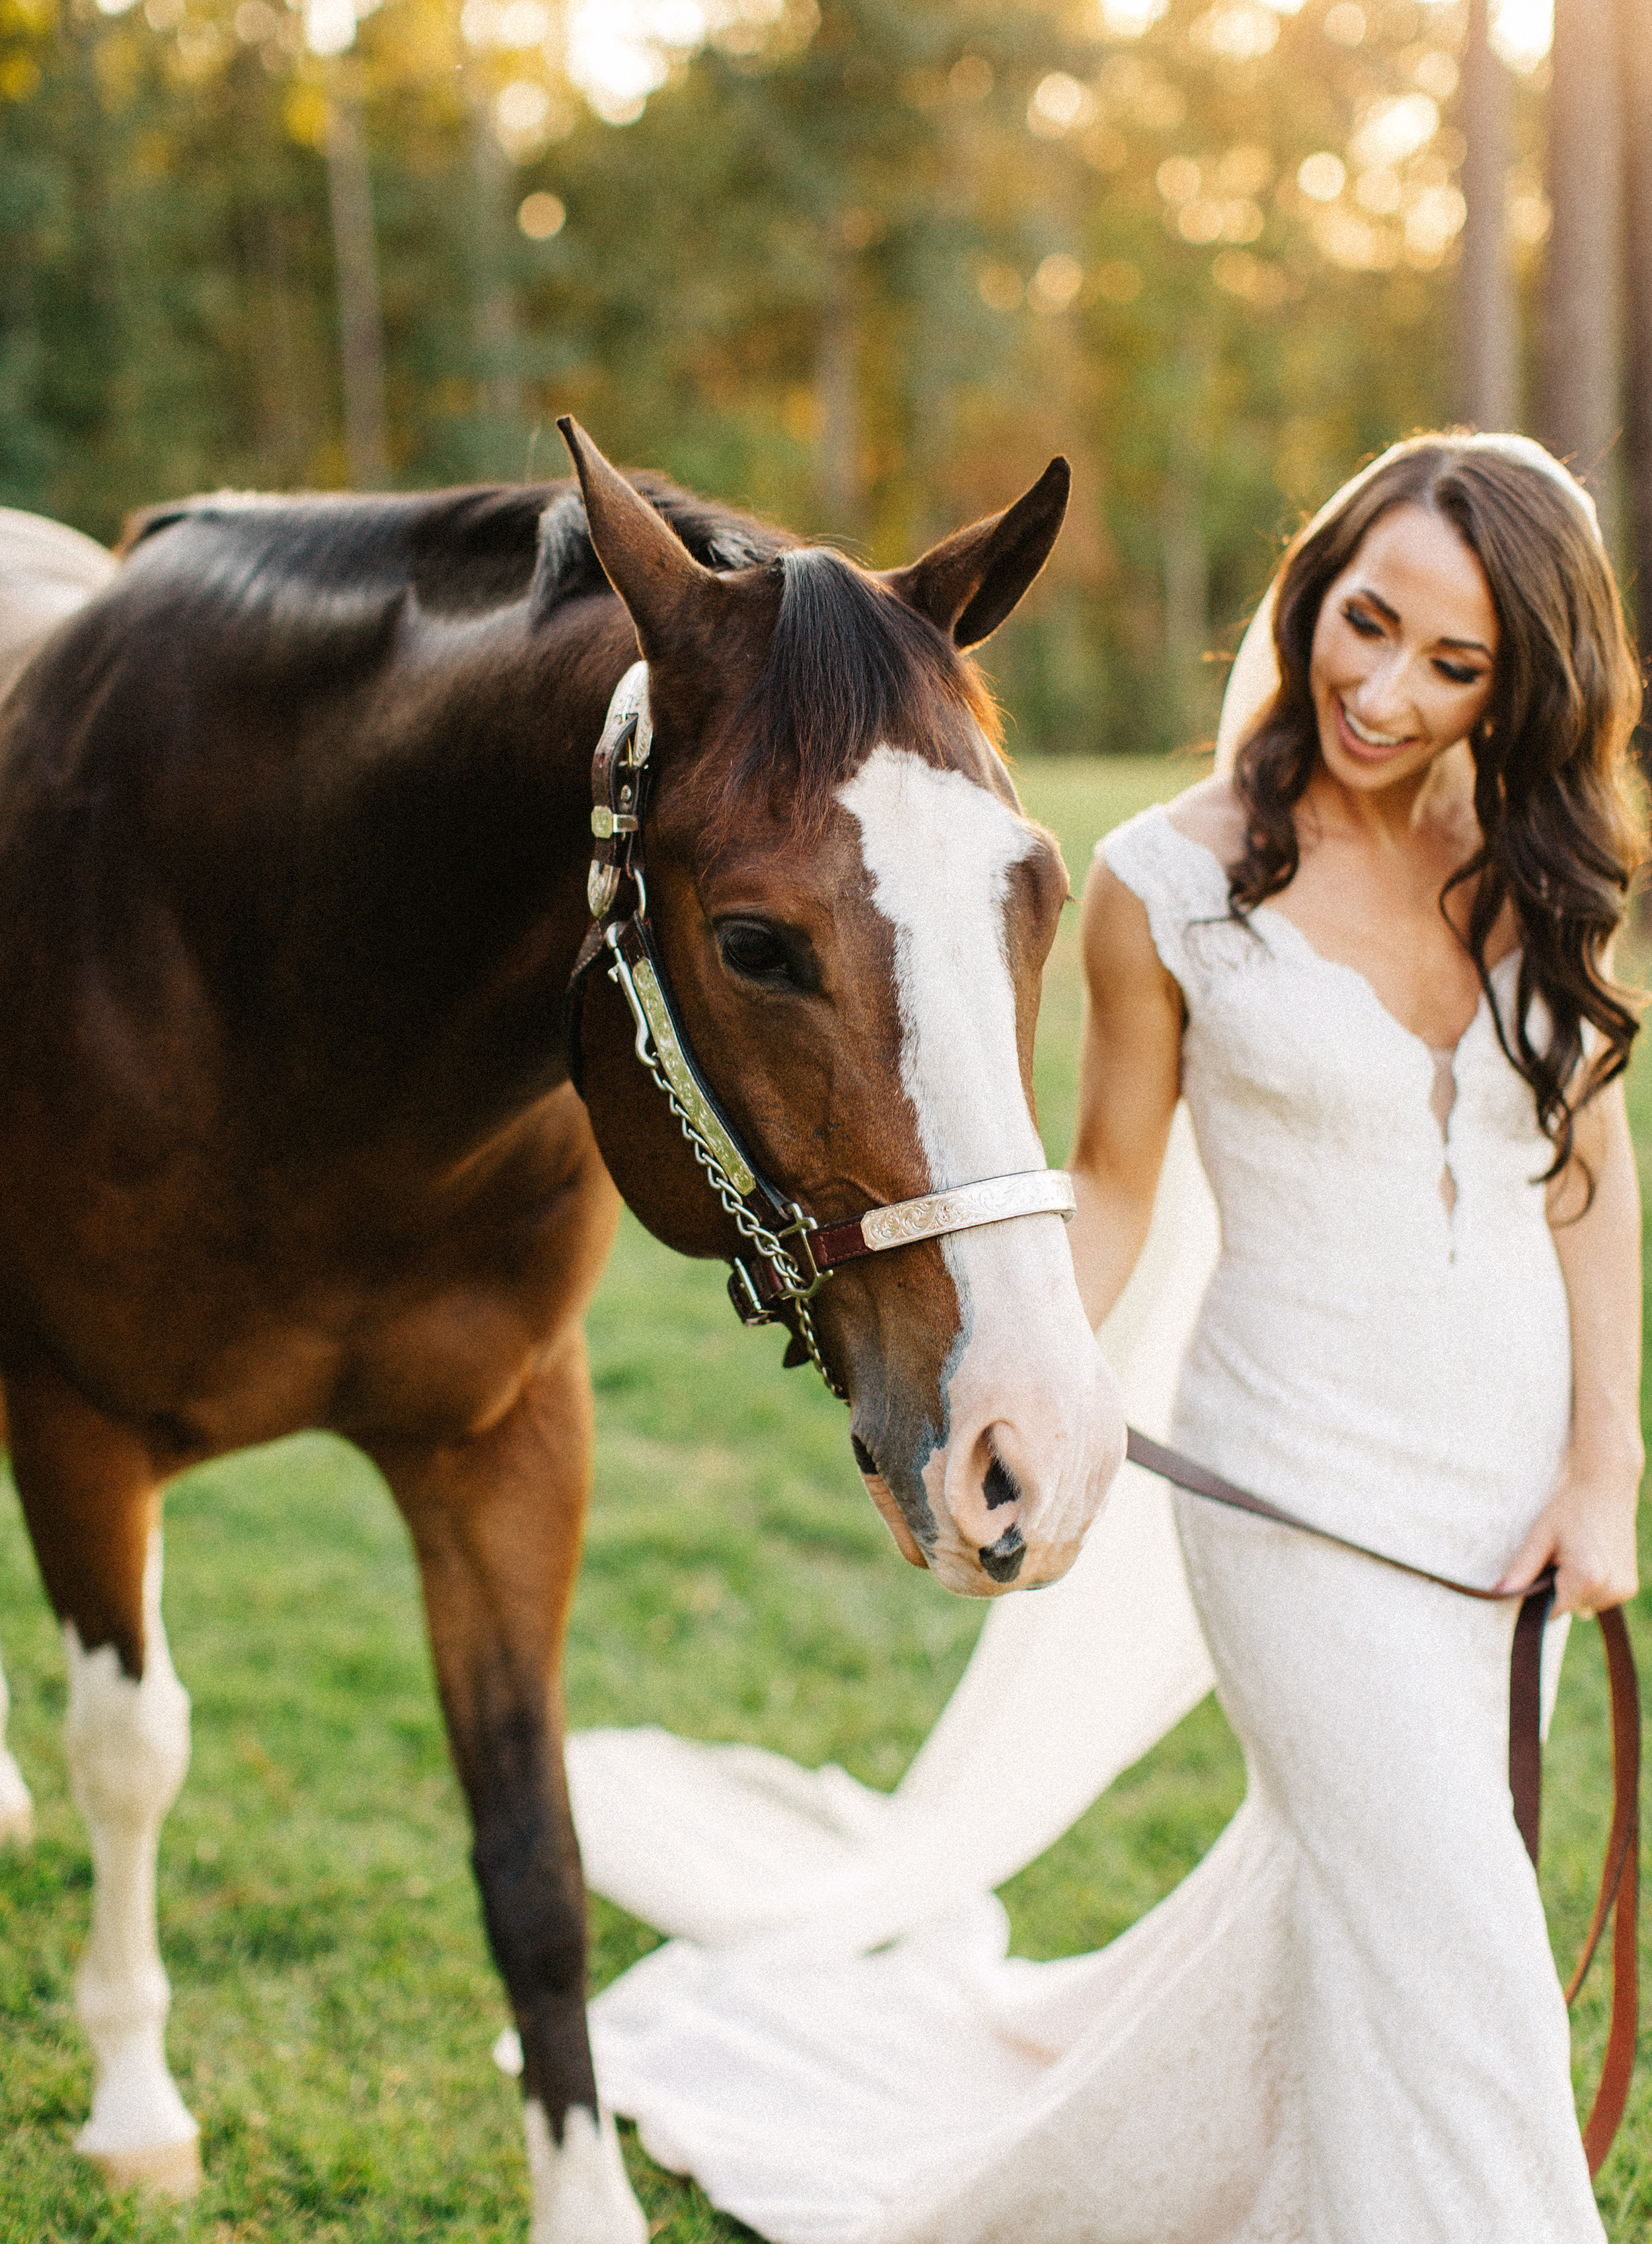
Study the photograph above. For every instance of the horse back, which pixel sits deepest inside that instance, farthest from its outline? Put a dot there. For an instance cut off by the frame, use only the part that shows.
(292, 838)
(294, 825)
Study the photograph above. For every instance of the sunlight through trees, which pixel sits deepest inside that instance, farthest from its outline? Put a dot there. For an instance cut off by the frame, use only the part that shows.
(861, 264)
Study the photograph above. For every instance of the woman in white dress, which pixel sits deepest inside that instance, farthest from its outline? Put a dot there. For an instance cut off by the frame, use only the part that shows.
(1372, 960)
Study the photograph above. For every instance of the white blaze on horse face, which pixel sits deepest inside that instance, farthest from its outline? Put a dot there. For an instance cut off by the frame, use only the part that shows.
(1026, 1385)
(128, 1745)
(580, 2192)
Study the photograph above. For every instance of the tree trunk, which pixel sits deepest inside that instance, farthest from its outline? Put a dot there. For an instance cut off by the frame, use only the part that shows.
(494, 312)
(360, 326)
(288, 386)
(1488, 390)
(1582, 287)
(1634, 35)
(1186, 589)
(1187, 553)
(838, 387)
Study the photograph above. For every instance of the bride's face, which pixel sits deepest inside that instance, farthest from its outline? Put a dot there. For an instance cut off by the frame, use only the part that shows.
(1403, 652)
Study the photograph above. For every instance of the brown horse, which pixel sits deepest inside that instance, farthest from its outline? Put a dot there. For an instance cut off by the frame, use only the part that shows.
(294, 826)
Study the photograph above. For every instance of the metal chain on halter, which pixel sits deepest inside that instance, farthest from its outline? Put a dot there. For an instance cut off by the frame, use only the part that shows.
(769, 1244)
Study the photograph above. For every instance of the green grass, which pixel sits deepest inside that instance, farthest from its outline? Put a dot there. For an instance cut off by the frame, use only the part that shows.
(333, 2002)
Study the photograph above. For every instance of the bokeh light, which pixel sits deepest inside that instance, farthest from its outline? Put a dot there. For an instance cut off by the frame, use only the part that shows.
(330, 26)
(541, 215)
(1128, 20)
(1055, 284)
(1322, 176)
(1059, 102)
(1522, 31)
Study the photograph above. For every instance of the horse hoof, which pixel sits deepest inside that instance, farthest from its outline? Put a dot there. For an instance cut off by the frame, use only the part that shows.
(173, 2170)
(17, 1809)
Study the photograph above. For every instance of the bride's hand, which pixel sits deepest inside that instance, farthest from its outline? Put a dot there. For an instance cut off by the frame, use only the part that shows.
(1586, 1531)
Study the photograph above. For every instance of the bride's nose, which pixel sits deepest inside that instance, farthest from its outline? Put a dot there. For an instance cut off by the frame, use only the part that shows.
(1380, 701)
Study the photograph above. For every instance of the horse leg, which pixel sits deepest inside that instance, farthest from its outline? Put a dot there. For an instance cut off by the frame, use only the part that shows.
(17, 1809)
(497, 1524)
(93, 1507)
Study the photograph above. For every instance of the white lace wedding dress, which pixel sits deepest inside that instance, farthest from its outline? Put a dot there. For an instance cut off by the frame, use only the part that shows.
(1344, 2026)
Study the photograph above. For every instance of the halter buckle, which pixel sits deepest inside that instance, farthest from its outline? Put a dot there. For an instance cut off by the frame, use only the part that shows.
(749, 1308)
(759, 1299)
(619, 770)
(800, 1228)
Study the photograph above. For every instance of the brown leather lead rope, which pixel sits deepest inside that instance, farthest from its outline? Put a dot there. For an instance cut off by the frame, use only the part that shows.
(1620, 1876)
(1526, 1716)
(1619, 1882)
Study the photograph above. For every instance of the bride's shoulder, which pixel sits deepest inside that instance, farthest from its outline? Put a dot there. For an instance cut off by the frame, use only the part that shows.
(1212, 815)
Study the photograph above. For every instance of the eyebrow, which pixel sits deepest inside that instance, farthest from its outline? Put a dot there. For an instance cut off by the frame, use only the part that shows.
(1474, 645)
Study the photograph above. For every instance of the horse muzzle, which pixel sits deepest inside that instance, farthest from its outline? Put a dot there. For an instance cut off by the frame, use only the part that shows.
(1034, 1423)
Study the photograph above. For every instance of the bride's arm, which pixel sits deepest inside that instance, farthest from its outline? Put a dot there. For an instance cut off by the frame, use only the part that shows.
(1129, 1079)
(1587, 1526)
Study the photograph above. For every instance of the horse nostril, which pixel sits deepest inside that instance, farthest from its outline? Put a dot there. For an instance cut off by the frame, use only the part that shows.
(1002, 1559)
(1000, 1485)
(865, 1461)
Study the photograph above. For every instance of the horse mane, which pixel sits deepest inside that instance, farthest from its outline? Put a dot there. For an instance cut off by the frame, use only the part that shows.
(310, 588)
(568, 567)
(314, 584)
(850, 668)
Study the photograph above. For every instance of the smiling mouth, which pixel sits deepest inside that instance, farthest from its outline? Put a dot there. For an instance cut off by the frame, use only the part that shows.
(1367, 738)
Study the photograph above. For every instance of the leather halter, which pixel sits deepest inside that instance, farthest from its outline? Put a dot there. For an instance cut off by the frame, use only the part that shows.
(788, 1256)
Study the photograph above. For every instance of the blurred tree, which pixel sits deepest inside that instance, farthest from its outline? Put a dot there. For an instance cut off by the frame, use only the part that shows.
(350, 193)
(499, 340)
(861, 264)
(1487, 318)
(1579, 407)
(1635, 49)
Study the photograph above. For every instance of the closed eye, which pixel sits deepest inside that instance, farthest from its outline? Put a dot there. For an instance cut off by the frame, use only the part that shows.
(1366, 625)
(1456, 673)
(772, 958)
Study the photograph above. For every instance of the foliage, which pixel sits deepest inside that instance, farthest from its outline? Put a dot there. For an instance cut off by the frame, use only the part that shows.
(863, 265)
(333, 2004)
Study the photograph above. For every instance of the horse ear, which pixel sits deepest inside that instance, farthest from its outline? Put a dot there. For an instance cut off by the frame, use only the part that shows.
(969, 583)
(648, 565)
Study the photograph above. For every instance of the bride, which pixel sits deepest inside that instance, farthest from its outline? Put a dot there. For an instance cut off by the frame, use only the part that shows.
(1371, 957)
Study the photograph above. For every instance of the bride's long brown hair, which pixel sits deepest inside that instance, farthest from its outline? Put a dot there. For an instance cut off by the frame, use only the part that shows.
(1562, 830)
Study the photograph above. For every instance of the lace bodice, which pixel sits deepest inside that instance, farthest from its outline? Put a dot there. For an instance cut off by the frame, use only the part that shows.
(1388, 1357)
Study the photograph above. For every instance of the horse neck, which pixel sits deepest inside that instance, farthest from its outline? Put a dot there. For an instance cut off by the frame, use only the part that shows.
(443, 887)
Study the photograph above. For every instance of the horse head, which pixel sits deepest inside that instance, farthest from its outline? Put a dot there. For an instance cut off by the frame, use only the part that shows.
(853, 913)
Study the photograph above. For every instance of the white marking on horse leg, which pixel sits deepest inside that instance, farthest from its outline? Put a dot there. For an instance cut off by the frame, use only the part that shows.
(1027, 1386)
(17, 1809)
(128, 1748)
(580, 2192)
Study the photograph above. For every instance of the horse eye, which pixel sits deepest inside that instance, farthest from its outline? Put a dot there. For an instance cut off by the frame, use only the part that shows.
(754, 953)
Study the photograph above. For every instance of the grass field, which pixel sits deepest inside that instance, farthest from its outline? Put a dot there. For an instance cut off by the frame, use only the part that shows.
(332, 2002)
